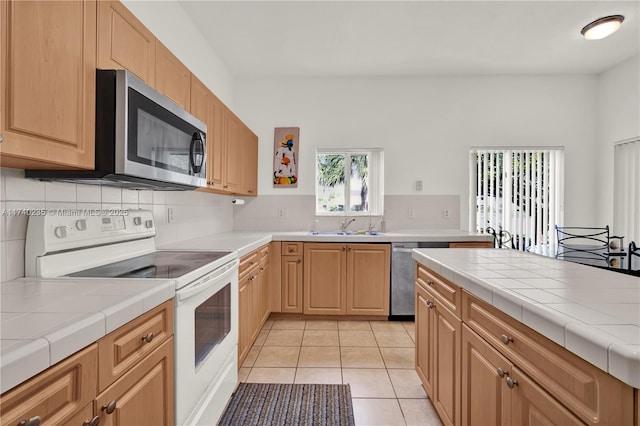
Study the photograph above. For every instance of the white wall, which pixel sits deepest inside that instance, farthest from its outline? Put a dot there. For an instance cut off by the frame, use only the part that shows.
(170, 24)
(618, 119)
(426, 126)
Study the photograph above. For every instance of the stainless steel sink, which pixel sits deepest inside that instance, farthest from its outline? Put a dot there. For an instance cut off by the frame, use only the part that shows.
(355, 233)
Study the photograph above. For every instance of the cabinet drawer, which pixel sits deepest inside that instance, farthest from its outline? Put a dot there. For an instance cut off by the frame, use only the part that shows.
(291, 249)
(587, 391)
(247, 261)
(264, 252)
(55, 395)
(125, 347)
(472, 244)
(448, 293)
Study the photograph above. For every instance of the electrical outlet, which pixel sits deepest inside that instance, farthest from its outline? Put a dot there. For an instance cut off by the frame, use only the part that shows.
(418, 185)
(282, 213)
(412, 213)
(169, 215)
(445, 214)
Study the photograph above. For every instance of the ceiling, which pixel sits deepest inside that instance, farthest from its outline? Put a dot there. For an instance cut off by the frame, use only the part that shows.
(413, 38)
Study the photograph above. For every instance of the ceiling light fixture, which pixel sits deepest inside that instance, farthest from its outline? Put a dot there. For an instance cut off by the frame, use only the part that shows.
(602, 27)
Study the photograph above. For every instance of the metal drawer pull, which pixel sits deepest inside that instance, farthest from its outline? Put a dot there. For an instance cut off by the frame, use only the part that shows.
(148, 338)
(502, 372)
(33, 421)
(430, 304)
(92, 422)
(299, 261)
(430, 282)
(110, 407)
(511, 383)
(506, 339)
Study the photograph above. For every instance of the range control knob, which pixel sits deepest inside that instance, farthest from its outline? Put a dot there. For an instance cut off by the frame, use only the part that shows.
(81, 224)
(137, 221)
(60, 231)
(148, 224)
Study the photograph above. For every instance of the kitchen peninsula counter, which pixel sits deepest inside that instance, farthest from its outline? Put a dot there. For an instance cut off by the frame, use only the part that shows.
(592, 312)
(43, 321)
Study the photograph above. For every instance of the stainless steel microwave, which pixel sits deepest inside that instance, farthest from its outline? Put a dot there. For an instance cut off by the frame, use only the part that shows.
(143, 139)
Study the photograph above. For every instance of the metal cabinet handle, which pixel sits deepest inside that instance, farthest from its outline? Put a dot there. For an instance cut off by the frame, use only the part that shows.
(429, 282)
(506, 339)
(430, 304)
(502, 372)
(511, 383)
(92, 422)
(33, 421)
(261, 269)
(147, 338)
(291, 250)
(1, 139)
(109, 407)
(299, 261)
(343, 248)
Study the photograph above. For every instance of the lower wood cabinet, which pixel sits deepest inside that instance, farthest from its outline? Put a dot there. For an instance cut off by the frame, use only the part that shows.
(291, 270)
(254, 293)
(486, 368)
(74, 391)
(144, 395)
(438, 353)
(346, 279)
(56, 395)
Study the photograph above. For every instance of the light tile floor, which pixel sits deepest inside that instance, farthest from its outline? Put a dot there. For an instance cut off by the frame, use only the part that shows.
(375, 357)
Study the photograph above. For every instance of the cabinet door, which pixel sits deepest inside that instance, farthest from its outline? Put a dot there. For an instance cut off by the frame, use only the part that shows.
(325, 289)
(232, 178)
(173, 79)
(124, 43)
(446, 364)
(249, 143)
(291, 271)
(368, 277)
(256, 303)
(424, 338)
(244, 318)
(265, 291)
(202, 108)
(215, 145)
(533, 406)
(486, 399)
(143, 396)
(48, 71)
(57, 394)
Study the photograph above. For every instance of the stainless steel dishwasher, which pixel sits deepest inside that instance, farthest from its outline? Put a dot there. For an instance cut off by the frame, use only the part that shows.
(403, 277)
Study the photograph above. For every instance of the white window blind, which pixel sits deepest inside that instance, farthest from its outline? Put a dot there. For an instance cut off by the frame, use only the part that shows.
(518, 190)
(626, 193)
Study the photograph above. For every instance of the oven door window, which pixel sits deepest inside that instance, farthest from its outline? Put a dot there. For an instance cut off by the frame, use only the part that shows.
(159, 138)
(212, 323)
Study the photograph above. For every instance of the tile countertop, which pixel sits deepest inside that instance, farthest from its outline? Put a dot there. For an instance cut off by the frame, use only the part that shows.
(592, 312)
(43, 321)
(247, 241)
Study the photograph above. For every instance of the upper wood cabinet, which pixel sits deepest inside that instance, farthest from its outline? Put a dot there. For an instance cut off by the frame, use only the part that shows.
(215, 144)
(124, 42)
(48, 73)
(232, 153)
(249, 171)
(173, 79)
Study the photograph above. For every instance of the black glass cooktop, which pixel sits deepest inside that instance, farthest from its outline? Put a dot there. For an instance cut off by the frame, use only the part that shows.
(160, 264)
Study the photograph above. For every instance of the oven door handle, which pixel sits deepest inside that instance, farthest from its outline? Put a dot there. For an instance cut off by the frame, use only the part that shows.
(199, 287)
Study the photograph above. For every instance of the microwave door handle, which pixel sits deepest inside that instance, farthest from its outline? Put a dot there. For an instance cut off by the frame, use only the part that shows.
(194, 151)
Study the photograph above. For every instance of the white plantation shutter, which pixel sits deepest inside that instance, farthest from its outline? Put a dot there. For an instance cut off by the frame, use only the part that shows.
(518, 190)
(626, 192)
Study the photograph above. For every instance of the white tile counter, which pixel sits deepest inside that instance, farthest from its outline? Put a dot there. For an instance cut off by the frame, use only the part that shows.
(43, 321)
(247, 241)
(592, 312)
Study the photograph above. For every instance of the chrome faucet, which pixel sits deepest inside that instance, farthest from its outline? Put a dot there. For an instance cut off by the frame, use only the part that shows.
(346, 222)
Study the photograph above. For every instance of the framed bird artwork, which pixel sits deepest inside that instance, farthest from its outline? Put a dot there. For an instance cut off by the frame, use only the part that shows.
(285, 157)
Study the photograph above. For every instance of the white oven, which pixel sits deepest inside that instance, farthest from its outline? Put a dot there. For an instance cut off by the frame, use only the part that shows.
(206, 338)
(122, 245)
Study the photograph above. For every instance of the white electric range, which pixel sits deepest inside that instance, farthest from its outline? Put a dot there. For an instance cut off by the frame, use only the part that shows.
(101, 245)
